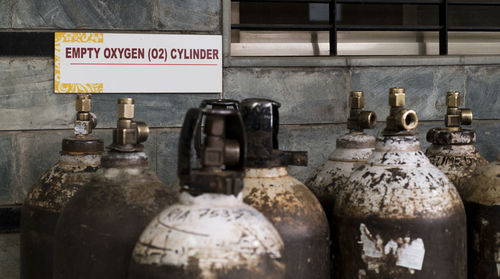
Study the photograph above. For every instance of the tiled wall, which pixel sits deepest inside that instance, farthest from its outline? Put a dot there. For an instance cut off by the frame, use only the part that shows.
(33, 120)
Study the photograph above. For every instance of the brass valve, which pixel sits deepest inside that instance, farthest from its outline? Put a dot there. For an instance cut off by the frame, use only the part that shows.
(400, 119)
(128, 133)
(360, 119)
(456, 116)
(85, 120)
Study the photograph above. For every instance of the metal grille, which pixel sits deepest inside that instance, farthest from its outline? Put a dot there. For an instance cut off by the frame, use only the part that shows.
(443, 28)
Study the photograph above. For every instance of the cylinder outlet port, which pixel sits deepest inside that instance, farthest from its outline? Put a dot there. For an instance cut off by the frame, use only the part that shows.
(128, 133)
(408, 120)
(368, 119)
(360, 119)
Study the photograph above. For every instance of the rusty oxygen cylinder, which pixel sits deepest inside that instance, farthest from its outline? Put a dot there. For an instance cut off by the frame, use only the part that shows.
(398, 216)
(481, 195)
(284, 200)
(97, 230)
(452, 150)
(352, 149)
(80, 159)
(210, 233)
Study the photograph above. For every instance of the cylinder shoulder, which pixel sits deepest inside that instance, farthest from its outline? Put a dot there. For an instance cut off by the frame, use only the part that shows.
(325, 180)
(227, 238)
(398, 191)
(56, 186)
(287, 203)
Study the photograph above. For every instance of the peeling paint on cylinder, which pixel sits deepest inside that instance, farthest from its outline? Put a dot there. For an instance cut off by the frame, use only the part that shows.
(352, 149)
(298, 217)
(97, 230)
(42, 207)
(209, 236)
(409, 209)
(482, 203)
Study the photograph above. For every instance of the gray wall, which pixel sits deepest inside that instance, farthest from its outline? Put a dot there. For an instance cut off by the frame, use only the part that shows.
(313, 92)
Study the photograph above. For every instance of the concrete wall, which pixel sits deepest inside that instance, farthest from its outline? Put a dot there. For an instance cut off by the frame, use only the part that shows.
(313, 92)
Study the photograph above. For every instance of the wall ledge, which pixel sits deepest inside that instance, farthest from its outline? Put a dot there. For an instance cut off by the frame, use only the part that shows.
(362, 61)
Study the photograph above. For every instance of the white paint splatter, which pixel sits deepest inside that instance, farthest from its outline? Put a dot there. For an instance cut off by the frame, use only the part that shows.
(484, 222)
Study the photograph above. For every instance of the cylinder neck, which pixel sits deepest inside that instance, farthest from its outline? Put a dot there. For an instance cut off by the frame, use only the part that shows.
(116, 159)
(397, 144)
(266, 172)
(80, 162)
(355, 140)
(82, 145)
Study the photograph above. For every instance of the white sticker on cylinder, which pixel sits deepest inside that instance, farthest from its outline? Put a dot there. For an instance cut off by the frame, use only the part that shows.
(411, 255)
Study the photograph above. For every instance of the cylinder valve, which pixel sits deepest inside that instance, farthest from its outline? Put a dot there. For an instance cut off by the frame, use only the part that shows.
(221, 156)
(83, 142)
(128, 133)
(85, 121)
(400, 119)
(360, 119)
(456, 116)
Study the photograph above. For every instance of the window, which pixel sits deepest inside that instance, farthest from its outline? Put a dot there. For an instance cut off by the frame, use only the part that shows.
(364, 27)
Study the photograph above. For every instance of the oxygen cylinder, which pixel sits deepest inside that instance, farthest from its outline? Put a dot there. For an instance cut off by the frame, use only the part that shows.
(210, 233)
(398, 216)
(285, 201)
(80, 159)
(97, 230)
(481, 195)
(352, 149)
(452, 150)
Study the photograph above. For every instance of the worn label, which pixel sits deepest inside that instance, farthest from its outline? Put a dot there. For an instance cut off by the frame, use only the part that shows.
(408, 253)
(411, 255)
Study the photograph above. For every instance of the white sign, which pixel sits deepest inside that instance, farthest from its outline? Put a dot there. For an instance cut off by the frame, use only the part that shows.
(137, 63)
